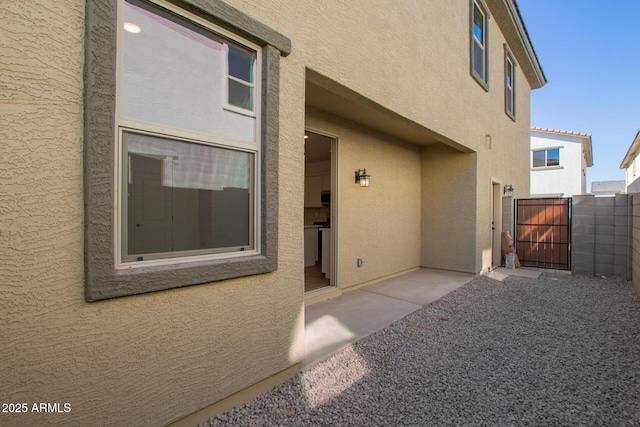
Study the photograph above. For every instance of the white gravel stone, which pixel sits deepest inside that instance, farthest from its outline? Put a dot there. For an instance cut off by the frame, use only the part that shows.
(558, 350)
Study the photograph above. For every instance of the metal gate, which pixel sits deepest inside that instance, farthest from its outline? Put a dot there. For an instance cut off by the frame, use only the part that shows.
(543, 233)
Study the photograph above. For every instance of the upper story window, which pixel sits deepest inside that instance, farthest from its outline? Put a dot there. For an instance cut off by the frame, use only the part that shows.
(188, 164)
(479, 43)
(509, 84)
(179, 188)
(241, 65)
(546, 158)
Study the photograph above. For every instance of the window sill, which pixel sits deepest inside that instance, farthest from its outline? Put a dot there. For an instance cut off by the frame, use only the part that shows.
(546, 168)
(169, 261)
(511, 116)
(238, 110)
(106, 283)
(480, 81)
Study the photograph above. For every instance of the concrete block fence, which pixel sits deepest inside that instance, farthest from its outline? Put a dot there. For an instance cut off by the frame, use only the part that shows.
(605, 234)
(600, 235)
(634, 239)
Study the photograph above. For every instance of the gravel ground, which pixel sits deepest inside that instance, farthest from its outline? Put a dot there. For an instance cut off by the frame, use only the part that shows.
(558, 350)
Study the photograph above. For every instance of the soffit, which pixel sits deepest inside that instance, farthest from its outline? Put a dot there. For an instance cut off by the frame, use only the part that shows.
(632, 152)
(331, 97)
(507, 16)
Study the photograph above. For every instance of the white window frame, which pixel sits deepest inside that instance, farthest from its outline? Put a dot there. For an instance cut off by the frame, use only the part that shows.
(225, 85)
(143, 127)
(546, 158)
(483, 79)
(509, 90)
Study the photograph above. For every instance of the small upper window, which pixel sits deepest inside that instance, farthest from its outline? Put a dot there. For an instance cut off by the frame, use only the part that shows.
(479, 44)
(509, 84)
(241, 81)
(546, 158)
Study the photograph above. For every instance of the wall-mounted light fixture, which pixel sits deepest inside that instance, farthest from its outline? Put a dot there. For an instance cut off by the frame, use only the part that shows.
(508, 190)
(131, 27)
(362, 178)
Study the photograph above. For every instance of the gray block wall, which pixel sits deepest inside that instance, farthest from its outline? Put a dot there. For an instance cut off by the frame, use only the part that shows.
(622, 236)
(600, 235)
(583, 235)
(634, 202)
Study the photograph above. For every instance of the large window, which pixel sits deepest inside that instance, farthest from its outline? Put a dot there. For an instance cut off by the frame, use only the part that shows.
(182, 198)
(188, 162)
(479, 43)
(546, 158)
(509, 84)
(181, 134)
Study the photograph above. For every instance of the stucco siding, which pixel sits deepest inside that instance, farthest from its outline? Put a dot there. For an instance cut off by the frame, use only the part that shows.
(413, 60)
(631, 175)
(379, 223)
(151, 359)
(144, 360)
(422, 73)
(568, 179)
(448, 210)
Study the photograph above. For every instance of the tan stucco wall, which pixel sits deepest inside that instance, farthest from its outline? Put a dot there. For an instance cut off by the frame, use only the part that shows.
(415, 61)
(142, 360)
(449, 207)
(150, 359)
(504, 156)
(457, 187)
(379, 223)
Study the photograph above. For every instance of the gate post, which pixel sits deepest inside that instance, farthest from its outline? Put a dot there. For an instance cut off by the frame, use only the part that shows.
(583, 234)
(622, 233)
(508, 218)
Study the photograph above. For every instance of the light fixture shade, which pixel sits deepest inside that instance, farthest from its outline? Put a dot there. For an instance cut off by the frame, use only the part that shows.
(508, 190)
(362, 178)
(131, 27)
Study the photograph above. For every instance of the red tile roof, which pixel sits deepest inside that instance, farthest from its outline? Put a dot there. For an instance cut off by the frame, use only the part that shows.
(562, 132)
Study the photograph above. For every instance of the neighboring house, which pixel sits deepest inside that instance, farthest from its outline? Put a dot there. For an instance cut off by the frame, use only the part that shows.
(153, 182)
(631, 167)
(607, 188)
(559, 162)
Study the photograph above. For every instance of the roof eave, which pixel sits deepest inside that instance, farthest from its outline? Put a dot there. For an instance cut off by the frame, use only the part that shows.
(588, 150)
(507, 15)
(632, 152)
(585, 140)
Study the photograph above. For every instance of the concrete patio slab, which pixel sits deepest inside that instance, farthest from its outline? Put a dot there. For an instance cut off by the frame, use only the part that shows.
(500, 273)
(332, 324)
(422, 286)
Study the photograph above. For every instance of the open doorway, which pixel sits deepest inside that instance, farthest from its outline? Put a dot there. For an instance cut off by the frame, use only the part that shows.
(318, 206)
